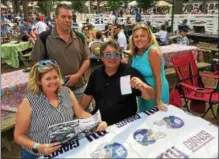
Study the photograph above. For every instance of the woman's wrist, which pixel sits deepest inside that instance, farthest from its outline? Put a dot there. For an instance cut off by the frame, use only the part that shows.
(158, 101)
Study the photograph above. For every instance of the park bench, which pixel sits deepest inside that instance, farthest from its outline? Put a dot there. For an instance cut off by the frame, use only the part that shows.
(207, 46)
(7, 123)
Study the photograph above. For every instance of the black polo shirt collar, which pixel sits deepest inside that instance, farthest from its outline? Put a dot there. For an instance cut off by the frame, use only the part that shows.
(119, 70)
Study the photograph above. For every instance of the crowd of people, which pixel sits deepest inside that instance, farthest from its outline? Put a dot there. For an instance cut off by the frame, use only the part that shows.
(58, 90)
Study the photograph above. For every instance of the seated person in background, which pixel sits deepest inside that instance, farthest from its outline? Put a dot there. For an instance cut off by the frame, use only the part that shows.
(46, 103)
(183, 39)
(26, 31)
(162, 35)
(104, 86)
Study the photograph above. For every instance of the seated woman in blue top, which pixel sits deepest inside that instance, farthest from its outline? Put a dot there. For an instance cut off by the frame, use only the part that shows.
(46, 103)
(148, 59)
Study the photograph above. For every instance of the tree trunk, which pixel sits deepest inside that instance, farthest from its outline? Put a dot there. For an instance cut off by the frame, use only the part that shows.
(90, 7)
(25, 8)
(204, 6)
(16, 6)
(48, 8)
(98, 5)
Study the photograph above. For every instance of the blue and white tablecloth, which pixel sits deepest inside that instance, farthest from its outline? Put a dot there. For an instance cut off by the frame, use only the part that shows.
(152, 134)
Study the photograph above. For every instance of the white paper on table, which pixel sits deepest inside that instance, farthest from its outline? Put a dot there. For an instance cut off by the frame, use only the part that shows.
(125, 85)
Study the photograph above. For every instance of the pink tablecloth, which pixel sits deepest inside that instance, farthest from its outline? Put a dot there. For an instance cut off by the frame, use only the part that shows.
(175, 49)
(13, 89)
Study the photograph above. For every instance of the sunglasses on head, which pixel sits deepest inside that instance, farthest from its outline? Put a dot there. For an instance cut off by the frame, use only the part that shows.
(46, 63)
(109, 55)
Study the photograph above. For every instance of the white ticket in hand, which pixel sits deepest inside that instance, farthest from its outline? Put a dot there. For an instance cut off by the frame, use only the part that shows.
(125, 85)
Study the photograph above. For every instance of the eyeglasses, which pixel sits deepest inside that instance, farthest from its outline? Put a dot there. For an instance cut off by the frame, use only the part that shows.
(109, 55)
(47, 62)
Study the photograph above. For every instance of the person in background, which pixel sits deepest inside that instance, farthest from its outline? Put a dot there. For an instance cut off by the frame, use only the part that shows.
(149, 26)
(40, 26)
(137, 16)
(46, 103)
(74, 18)
(121, 37)
(4, 25)
(86, 34)
(106, 31)
(182, 39)
(68, 48)
(128, 20)
(185, 24)
(104, 86)
(26, 31)
(99, 39)
(92, 30)
(148, 60)
(162, 35)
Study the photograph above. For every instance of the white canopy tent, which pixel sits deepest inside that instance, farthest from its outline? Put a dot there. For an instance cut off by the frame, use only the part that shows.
(133, 3)
(163, 4)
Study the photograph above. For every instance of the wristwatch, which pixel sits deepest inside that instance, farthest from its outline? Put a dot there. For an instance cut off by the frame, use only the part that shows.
(34, 149)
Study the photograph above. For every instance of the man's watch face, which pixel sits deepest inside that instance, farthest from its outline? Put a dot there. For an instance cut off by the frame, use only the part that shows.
(35, 150)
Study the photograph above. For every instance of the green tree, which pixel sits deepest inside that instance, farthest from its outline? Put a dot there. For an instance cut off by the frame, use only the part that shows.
(145, 4)
(46, 7)
(115, 4)
(79, 6)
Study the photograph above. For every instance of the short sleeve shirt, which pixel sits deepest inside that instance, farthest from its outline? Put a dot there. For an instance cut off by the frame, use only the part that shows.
(105, 89)
(69, 55)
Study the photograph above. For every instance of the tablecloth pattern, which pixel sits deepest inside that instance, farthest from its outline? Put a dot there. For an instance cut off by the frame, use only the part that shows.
(5, 114)
(10, 52)
(150, 134)
(175, 49)
(13, 89)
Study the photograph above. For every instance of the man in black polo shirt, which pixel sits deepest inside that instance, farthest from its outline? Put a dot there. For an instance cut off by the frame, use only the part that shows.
(105, 86)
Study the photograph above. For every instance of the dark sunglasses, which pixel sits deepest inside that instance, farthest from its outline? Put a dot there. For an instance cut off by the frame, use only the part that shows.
(109, 55)
(44, 63)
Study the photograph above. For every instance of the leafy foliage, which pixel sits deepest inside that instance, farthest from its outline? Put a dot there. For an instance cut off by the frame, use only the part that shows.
(79, 6)
(145, 3)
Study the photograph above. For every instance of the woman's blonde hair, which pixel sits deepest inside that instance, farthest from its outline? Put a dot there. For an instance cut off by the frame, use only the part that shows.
(151, 38)
(36, 75)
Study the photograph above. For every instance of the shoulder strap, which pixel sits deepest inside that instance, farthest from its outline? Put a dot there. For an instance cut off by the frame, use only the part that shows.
(80, 35)
(43, 37)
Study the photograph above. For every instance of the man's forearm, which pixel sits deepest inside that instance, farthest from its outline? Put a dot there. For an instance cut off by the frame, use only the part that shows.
(85, 101)
(85, 65)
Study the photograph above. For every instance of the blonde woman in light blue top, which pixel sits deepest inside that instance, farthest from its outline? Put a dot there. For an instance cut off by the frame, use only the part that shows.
(148, 59)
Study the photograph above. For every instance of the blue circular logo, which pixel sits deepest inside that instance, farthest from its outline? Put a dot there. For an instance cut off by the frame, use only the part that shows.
(173, 122)
(144, 137)
(116, 150)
